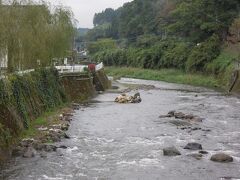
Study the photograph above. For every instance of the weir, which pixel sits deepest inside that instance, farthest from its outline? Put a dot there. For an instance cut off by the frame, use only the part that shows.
(80, 85)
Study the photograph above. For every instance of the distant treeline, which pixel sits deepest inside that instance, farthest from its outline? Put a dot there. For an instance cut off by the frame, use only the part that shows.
(183, 34)
(33, 34)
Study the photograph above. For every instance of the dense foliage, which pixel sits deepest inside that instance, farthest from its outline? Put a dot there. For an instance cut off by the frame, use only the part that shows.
(32, 34)
(24, 98)
(183, 34)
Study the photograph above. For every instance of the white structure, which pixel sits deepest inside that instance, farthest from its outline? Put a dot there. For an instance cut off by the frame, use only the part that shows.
(69, 69)
(76, 68)
(3, 59)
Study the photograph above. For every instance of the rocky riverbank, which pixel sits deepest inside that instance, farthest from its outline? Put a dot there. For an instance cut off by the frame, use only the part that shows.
(46, 135)
(190, 123)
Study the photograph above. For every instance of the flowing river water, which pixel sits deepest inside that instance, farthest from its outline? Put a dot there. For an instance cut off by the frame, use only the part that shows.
(125, 141)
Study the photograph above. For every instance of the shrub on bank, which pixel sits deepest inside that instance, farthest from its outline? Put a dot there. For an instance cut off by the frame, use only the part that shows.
(203, 54)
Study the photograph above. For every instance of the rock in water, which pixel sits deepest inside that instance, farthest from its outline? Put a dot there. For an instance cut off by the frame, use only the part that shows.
(123, 98)
(171, 151)
(136, 95)
(221, 157)
(203, 152)
(30, 152)
(193, 146)
(197, 156)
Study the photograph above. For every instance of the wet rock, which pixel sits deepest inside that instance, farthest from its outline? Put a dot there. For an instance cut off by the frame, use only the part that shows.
(197, 156)
(197, 119)
(206, 130)
(43, 154)
(163, 116)
(30, 152)
(185, 117)
(196, 128)
(136, 98)
(45, 147)
(63, 127)
(55, 135)
(179, 123)
(38, 146)
(18, 151)
(49, 148)
(185, 127)
(179, 115)
(66, 136)
(193, 146)
(171, 113)
(221, 157)
(171, 151)
(123, 98)
(27, 142)
(62, 147)
(230, 178)
(75, 106)
(189, 116)
(203, 152)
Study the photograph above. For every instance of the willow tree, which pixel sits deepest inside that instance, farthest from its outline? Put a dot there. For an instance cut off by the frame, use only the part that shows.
(33, 33)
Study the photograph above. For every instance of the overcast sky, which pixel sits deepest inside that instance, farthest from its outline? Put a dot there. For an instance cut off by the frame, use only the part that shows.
(84, 10)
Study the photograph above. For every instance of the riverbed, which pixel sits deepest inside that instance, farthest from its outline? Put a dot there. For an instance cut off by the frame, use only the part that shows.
(125, 141)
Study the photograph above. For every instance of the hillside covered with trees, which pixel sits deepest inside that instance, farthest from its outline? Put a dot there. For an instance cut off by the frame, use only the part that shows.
(196, 35)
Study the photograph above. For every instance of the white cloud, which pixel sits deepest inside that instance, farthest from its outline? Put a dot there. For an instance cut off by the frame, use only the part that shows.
(84, 10)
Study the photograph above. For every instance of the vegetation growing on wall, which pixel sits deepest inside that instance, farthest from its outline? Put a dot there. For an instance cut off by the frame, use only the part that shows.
(24, 98)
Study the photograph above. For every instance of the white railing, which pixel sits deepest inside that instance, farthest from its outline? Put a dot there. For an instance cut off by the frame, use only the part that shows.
(76, 68)
(68, 69)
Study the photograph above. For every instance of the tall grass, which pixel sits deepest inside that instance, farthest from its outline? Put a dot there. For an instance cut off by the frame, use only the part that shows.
(167, 75)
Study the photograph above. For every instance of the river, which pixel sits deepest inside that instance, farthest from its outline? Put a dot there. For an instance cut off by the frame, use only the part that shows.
(125, 141)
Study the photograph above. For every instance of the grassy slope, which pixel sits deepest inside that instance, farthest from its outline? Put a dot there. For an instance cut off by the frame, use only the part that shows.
(168, 75)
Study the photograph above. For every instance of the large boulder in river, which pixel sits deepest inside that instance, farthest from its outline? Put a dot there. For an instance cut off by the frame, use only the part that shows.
(123, 98)
(171, 151)
(221, 157)
(193, 146)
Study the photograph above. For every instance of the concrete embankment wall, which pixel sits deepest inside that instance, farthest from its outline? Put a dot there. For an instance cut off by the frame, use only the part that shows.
(78, 87)
(25, 98)
(101, 81)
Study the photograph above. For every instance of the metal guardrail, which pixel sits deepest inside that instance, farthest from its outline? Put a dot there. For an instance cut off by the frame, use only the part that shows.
(71, 69)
